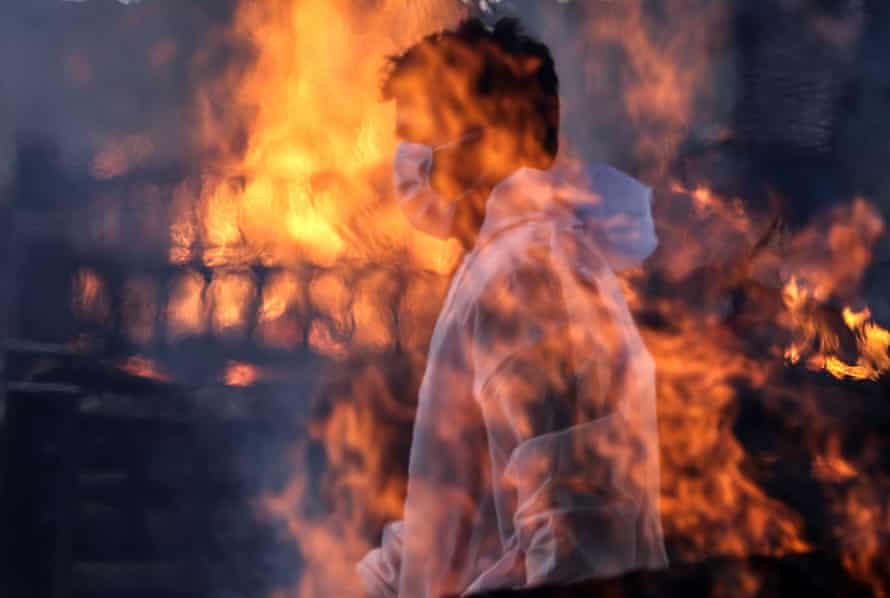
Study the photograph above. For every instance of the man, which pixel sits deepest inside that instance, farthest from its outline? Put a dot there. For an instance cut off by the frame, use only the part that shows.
(534, 453)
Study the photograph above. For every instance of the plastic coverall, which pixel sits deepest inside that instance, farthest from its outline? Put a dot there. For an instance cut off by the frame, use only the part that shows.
(534, 457)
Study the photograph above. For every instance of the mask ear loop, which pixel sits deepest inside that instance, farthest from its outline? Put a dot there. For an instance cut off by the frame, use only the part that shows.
(468, 137)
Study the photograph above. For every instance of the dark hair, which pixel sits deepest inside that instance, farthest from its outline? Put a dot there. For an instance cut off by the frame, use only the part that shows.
(509, 69)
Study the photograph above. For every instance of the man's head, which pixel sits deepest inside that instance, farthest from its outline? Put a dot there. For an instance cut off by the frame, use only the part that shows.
(490, 97)
(497, 80)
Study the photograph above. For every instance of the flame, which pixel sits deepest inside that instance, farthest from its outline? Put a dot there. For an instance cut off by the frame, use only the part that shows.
(373, 314)
(796, 298)
(317, 133)
(186, 311)
(144, 367)
(283, 304)
(89, 296)
(307, 189)
(872, 340)
(706, 497)
(359, 483)
(831, 465)
(699, 359)
(184, 229)
(873, 343)
(665, 66)
(231, 297)
(864, 532)
(312, 186)
(241, 374)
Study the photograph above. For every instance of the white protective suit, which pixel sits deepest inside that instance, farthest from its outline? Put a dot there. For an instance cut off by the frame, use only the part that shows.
(535, 452)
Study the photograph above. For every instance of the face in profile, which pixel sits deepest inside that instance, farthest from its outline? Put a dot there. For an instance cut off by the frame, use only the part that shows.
(482, 107)
(436, 107)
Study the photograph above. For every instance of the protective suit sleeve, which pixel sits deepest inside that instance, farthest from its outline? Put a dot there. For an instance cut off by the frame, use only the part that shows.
(379, 569)
(554, 426)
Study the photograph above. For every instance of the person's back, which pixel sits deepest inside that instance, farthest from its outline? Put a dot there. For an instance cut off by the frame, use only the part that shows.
(534, 454)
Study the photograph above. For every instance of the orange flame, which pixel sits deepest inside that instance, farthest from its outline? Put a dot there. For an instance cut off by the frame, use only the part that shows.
(241, 374)
(283, 304)
(144, 367)
(307, 177)
(186, 312)
(318, 140)
(231, 297)
(89, 298)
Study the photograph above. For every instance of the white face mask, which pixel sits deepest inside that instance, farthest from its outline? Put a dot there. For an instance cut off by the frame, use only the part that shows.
(426, 209)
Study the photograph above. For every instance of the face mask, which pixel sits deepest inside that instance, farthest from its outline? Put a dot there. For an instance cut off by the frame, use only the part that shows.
(423, 207)
(426, 209)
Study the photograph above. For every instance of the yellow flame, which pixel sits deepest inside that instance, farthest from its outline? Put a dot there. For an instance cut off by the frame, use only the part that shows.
(317, 133)
(186, 312)
(231, 297)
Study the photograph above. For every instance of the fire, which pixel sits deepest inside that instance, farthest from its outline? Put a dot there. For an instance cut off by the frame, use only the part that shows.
(231, 297)
(796, 299)
(864, 531)
(186, 312)
(872, 340)
(706, 497)
(373, 313)
(311, 187)
(281, 308)
(830, 464)
(664, 87)
(89, 297)
(144, 367)
(241, 374)
(699, 359)
(308, 185)
(873, 343)
(359, 482)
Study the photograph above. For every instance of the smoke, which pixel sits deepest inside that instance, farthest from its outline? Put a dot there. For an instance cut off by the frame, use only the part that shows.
(7, 151)
(107, 84)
